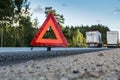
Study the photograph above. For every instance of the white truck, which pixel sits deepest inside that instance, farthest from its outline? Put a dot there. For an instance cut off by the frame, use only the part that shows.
(112, 39)
(93, 39)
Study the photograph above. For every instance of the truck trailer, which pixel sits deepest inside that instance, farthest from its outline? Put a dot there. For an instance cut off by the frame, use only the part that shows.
(93, 39)
(112, 39)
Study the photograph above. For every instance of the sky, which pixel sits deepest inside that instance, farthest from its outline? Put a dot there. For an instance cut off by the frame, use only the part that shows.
(81, 12)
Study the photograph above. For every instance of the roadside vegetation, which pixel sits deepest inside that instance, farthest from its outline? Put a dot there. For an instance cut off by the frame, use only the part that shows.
(17, 29)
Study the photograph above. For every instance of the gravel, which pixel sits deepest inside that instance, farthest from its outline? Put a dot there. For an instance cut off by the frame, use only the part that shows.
(101, 65)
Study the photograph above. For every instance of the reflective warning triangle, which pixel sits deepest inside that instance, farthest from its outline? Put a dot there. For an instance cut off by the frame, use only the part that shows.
(60, 40)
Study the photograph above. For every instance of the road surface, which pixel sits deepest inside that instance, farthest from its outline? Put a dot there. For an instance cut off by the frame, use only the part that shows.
(13, 54)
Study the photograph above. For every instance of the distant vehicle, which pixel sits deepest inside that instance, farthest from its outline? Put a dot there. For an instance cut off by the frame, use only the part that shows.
(93, 39)
(112, 39)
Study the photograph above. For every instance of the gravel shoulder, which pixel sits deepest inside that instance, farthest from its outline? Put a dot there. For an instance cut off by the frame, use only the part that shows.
(101, 65)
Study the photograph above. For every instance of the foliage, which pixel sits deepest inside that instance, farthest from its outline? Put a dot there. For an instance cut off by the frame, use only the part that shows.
(6, 10)
(74, 37)
(16, 28)
(101, 28)
(60, 19)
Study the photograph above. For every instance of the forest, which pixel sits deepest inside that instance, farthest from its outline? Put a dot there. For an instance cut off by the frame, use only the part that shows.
(17, 29)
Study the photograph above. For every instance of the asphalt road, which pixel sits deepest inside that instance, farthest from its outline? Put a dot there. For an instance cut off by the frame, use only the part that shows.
(13, 54)
(16, 49)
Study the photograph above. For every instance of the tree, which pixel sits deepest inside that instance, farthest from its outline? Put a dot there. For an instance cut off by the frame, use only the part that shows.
(16, 17)
(74, 36)
(21, 14)
(60, 19)
(6, 10)
(78, 39)
(101, 28)
(84, 29)
(6, 13)
(67, 33)
(26, 31)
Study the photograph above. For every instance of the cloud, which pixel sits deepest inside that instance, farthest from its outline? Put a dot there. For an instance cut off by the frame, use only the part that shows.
(64, 5)
(116, 11)
(98, 20)
(38, 9)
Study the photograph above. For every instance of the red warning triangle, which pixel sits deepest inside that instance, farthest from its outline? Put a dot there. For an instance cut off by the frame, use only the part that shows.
(60, 40)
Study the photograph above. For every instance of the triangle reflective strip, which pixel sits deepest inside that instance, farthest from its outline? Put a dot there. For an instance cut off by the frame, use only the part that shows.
(60, 40)
(50, 23)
